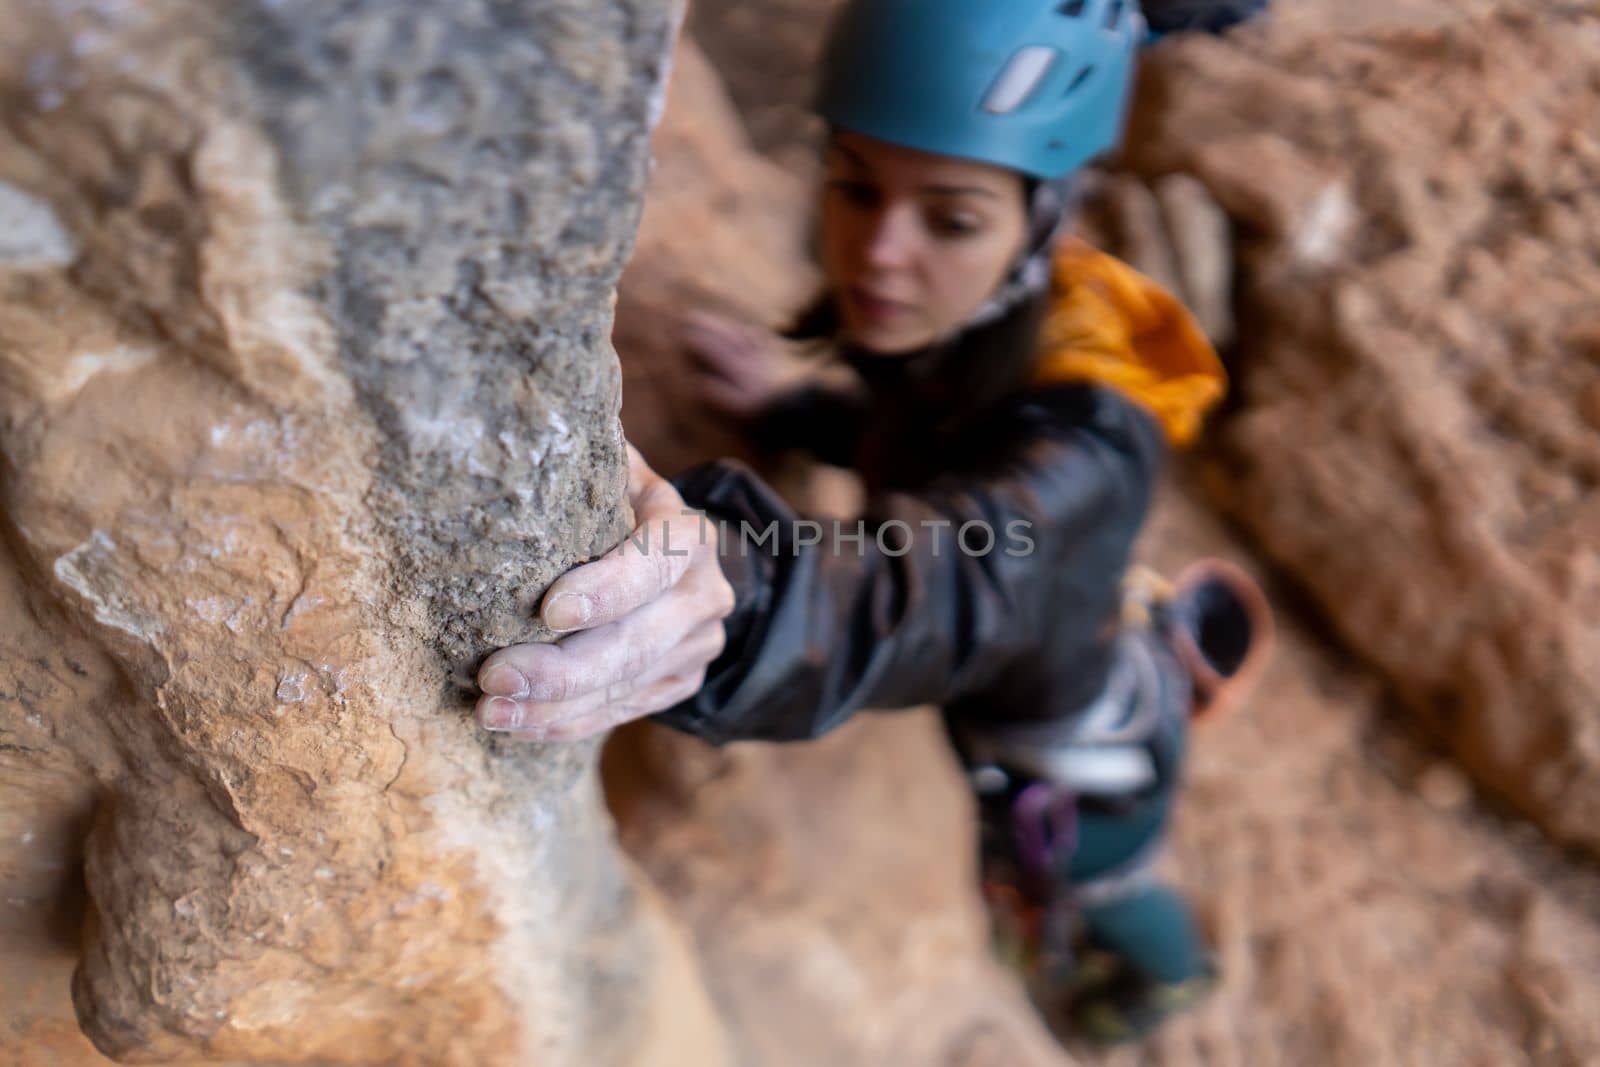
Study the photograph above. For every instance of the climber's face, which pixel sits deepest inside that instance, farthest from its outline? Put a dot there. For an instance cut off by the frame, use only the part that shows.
(913, 244)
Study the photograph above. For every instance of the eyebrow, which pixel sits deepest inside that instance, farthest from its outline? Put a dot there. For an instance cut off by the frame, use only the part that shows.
(958, 190)
(937, 190)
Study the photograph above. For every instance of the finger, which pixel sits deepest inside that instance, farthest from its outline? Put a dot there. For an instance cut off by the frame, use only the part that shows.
(594, 659)
(650, 495)
(748, 380)
(715, 359)
(718, 366)
(698, 320)
(661, 695)
(668, 537)
(725, 334)
(639, 571)
(689, 655)
(529, 717)
(721, 356)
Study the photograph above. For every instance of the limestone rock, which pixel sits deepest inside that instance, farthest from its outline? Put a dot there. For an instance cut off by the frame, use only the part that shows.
(305, 396)
(257, 654)
(1418, 208)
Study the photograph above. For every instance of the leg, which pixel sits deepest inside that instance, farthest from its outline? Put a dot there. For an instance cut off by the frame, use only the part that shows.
(1150, 962)
(1151, 930)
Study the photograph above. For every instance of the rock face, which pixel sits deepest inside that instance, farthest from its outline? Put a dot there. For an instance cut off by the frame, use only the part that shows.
(305, 396)
(1418, 212)
(1364, 910)
(766, 52)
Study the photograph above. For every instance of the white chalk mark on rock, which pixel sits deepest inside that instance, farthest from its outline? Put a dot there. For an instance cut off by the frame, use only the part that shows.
(88, 571)
(87, 365)
(1319, 238)
(31, 237)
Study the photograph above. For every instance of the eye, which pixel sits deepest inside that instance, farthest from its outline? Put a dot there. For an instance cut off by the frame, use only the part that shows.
(855, 193)
(954, 225)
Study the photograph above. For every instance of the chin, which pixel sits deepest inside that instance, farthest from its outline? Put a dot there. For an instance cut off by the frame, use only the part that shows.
(882, 342)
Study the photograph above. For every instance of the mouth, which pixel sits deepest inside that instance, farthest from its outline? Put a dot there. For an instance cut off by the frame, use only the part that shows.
(874, 309)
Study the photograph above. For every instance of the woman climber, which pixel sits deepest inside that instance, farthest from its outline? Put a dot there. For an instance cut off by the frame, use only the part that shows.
(1014, 394)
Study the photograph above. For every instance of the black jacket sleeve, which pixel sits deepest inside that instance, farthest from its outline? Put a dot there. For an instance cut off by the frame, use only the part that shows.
(906, 616)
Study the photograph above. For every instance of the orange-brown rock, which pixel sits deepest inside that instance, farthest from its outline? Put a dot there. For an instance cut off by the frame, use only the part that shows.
(1418, 206)
(722, 228)
(305, 395)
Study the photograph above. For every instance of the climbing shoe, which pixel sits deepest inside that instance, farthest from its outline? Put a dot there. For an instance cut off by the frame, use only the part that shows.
(1121, 1004)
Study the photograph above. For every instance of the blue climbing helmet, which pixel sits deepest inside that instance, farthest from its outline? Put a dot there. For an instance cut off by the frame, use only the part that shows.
(1038, 86)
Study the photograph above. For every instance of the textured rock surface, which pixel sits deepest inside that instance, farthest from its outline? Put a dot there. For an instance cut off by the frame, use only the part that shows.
(1365, 909)
(306, 397)
(831, 892)
(1419, 212)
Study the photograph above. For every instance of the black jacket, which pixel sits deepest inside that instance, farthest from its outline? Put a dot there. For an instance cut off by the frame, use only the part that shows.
(1017, 633)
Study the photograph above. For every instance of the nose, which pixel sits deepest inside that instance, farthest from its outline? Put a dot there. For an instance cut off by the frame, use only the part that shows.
(891, 243)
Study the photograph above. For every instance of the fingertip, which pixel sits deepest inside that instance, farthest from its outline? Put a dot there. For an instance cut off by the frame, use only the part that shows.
(567, 612)
(596, 587)
(499, 713)
(500, 678)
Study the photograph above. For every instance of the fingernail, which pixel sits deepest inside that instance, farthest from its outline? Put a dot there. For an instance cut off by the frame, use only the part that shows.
(569, 612)
(503, 680)
(501, 714)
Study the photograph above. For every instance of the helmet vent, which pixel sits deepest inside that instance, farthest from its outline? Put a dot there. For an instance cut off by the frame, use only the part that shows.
(1019, 79)
(1078, 79)
(1113, 14)
(1072, 8)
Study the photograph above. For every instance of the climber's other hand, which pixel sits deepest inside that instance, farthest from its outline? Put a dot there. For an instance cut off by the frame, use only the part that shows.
(738, 369)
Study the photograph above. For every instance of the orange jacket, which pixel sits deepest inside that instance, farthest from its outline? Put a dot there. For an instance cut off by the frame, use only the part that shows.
(1112, 325)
